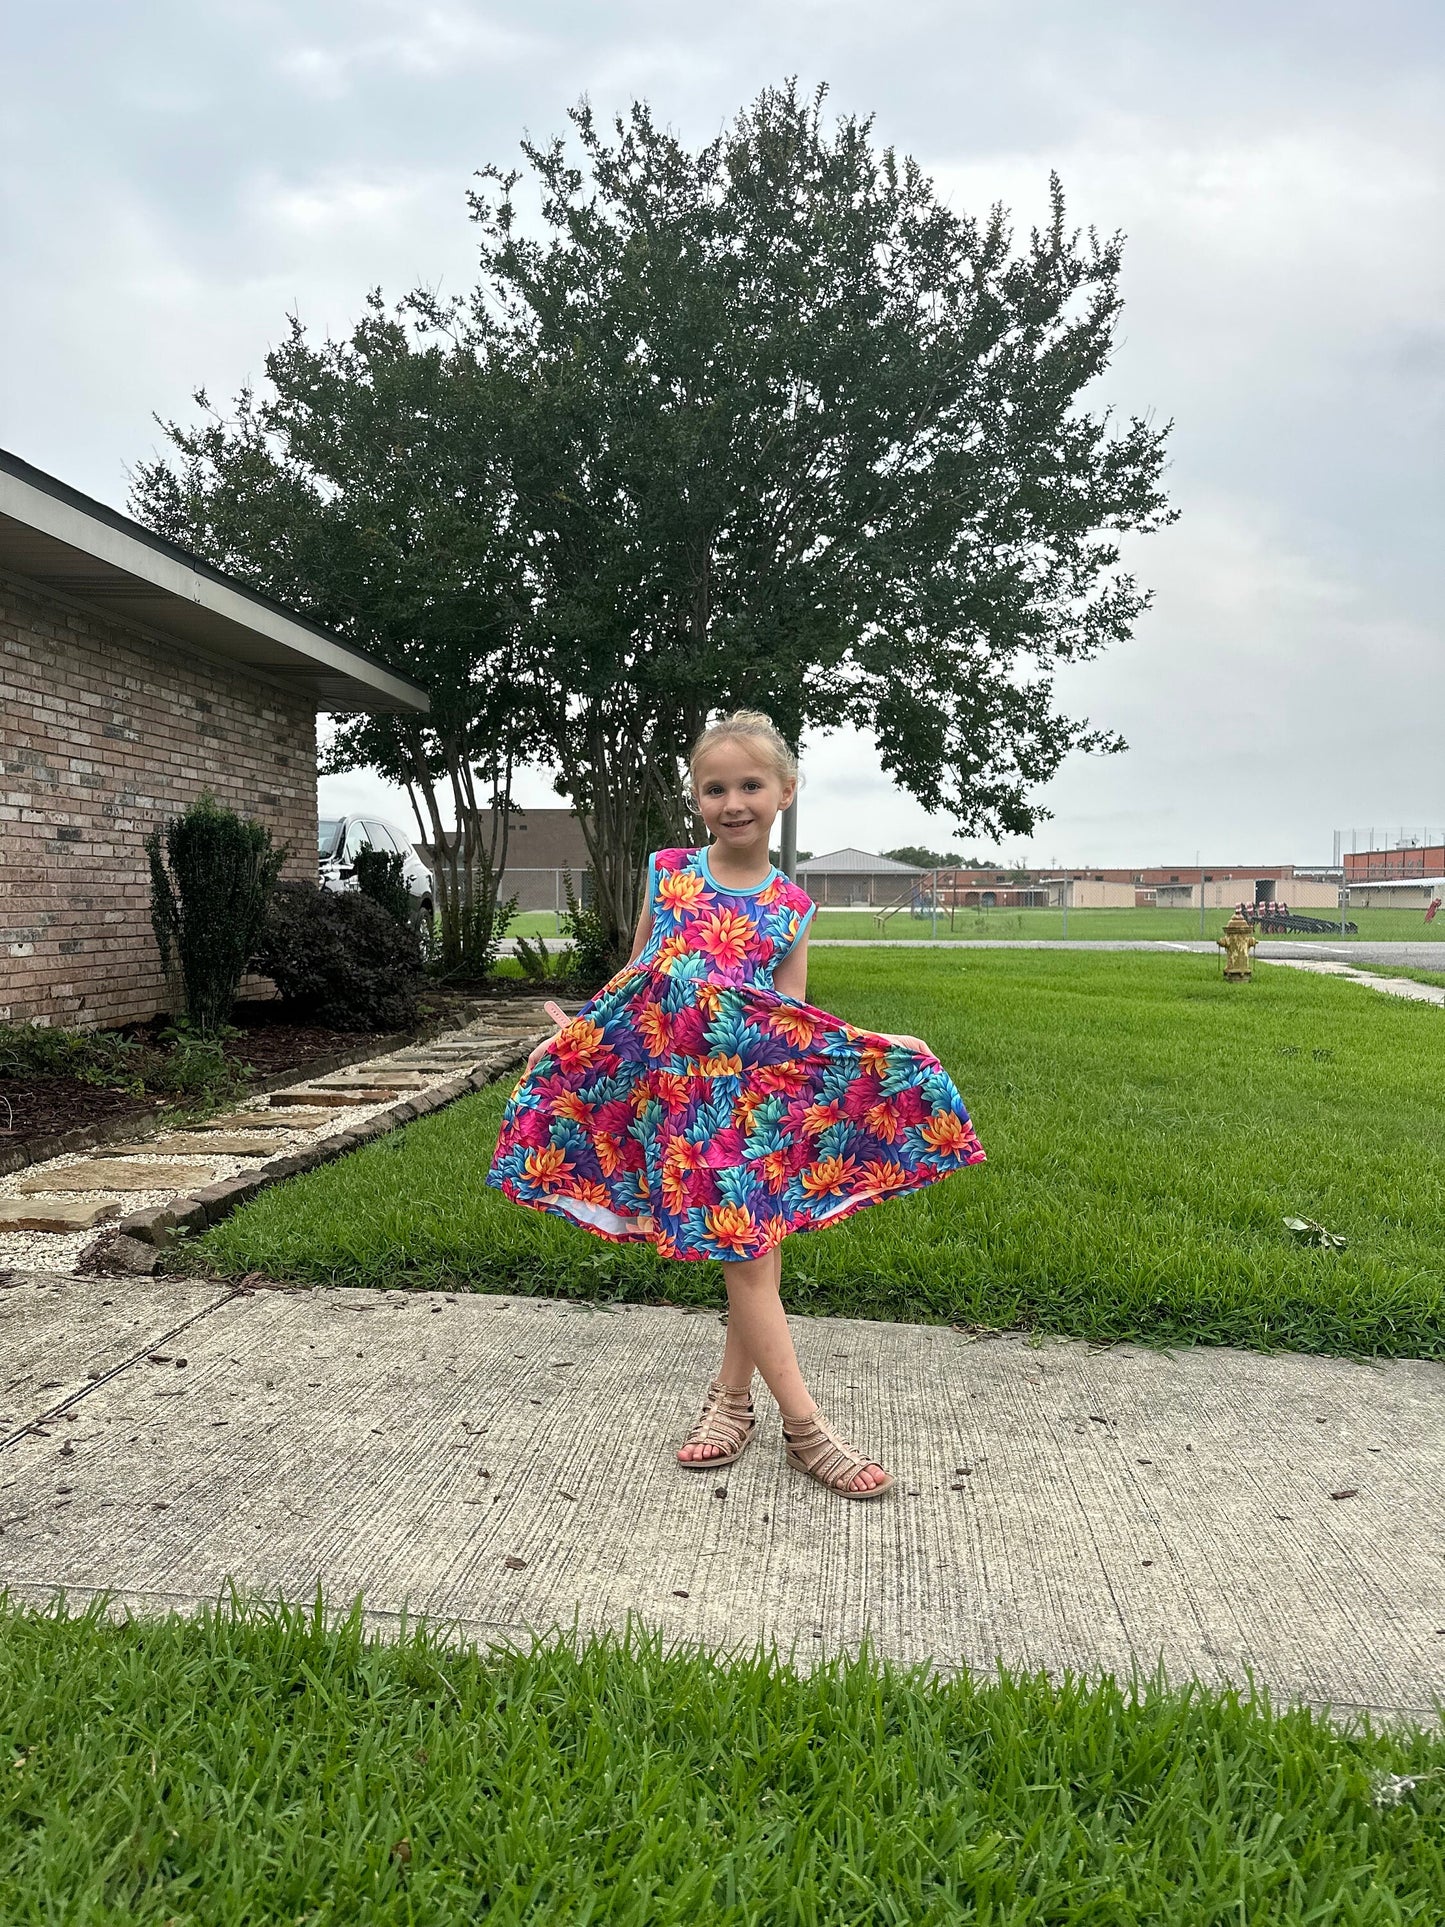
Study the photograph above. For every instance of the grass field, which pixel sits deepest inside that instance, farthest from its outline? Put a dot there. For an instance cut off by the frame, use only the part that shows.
(1148, 1129)
(1164, 926)
(253, 1767)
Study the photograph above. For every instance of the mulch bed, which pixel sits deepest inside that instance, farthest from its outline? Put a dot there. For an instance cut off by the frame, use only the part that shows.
(45, 1106)
(271, 1045)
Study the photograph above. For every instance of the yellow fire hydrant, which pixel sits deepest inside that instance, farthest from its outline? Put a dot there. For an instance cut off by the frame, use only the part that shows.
(1236, 943)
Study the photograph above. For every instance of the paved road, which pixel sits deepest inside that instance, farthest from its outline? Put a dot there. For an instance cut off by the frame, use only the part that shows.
(1058, 1506)
(1404, 956)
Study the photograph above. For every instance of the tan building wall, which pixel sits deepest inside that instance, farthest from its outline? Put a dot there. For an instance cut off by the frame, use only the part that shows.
(104, 730)
(1087, 893)
(542, 845)
(1224, 892)
(1400, 896)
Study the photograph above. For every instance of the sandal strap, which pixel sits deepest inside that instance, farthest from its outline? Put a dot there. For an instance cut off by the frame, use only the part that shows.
(726, 1418)
(819, 1450)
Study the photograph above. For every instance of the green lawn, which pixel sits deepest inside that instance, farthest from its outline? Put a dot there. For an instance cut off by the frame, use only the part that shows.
(1148, 1128)
(1168, 926)
(255, 1767)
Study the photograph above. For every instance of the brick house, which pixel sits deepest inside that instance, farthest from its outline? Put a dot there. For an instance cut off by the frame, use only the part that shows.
(133, 676)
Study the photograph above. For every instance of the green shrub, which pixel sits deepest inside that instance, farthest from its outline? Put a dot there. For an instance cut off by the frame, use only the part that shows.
(95, 1057)
(191, 1063)
(212, 873)
(592, 959)
(542, 966)
(195, 1064)
(479, 927)
(339, 959)
(381, 875)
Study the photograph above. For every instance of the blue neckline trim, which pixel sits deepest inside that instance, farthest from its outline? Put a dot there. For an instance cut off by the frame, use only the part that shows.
(735, 889)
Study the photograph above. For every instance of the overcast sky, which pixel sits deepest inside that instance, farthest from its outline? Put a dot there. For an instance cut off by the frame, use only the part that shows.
(176, 177)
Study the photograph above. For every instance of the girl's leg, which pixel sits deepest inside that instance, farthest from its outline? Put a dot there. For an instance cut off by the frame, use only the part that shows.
(758, 1336)
(738, 1364)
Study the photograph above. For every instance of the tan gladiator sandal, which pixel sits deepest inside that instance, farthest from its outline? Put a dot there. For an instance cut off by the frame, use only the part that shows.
(815, 1448)
(726, 1419)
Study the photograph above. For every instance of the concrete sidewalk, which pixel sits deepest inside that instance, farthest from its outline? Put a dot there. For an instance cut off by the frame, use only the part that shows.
(506, 1464)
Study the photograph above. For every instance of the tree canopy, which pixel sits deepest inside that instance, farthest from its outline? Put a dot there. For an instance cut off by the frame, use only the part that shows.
(760, 422)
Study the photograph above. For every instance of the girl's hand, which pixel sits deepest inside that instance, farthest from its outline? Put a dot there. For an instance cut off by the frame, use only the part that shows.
(559, 1018)
(908, 1043)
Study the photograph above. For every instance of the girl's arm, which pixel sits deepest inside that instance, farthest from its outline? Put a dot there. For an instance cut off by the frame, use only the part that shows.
(790, 979)
(642, 933)
(559, 1016)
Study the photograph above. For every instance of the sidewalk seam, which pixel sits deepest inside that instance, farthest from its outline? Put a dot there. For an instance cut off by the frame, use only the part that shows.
(94, 1385)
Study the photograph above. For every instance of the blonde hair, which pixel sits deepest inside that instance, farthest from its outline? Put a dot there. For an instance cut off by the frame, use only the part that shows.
(750, 725)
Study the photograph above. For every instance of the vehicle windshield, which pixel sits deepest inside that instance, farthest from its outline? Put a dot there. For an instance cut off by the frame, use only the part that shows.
(328, 835)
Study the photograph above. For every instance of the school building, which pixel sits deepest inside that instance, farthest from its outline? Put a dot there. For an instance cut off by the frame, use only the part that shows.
(1407, 873)
(1219, 886)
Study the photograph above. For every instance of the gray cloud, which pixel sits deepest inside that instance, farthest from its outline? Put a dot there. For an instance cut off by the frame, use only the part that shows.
(176, 178)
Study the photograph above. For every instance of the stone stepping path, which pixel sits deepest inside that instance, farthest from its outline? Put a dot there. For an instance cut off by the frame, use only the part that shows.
(107, 1174)
(407, 1080)
(195, 1176)
(55, 1214)
(317, 1096)
(230, 1144)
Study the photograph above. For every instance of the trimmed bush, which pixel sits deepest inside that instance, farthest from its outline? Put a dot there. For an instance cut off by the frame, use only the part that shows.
(381, 875)
(212, 873)
(339, 959)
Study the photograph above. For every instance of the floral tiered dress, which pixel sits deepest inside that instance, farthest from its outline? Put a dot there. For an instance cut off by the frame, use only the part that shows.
(692, 1106)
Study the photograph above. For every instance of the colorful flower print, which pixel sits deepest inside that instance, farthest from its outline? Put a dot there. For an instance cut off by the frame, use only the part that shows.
(691, 1106)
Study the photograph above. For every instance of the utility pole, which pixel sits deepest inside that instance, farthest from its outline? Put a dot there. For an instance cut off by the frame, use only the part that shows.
(788, 838)
(789, 851)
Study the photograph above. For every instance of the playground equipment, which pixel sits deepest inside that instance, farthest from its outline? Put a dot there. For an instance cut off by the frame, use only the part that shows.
(1278, 920)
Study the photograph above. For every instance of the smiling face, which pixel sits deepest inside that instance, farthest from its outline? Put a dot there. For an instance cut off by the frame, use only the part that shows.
(739, 794)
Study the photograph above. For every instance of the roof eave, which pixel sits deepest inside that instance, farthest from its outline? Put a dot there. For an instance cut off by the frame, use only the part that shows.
(65, 543)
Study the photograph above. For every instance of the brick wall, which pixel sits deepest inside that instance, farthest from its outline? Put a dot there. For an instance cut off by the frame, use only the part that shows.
(105, 729)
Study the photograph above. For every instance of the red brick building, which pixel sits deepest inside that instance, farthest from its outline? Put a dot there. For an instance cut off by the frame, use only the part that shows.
(132, 677)
(1405, 874)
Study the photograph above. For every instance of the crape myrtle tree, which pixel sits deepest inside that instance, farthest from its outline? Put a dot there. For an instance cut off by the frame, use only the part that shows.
(759, 422)
(792, 432)
(369, 488)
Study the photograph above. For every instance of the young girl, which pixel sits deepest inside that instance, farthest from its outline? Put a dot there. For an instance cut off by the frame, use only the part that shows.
(697, 1102)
